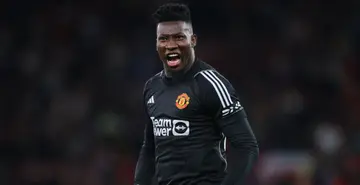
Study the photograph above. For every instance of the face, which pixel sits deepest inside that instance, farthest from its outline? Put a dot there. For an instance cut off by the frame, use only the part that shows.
(175, 45)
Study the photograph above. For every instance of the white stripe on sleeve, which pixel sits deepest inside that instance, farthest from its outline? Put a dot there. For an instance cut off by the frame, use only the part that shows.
(218, 86)
(215, 87)
(222, 84)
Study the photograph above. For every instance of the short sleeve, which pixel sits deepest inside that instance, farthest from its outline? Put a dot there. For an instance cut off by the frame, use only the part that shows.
(217, 94)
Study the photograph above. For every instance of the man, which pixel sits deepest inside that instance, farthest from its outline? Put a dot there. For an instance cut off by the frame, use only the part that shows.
(192, 110)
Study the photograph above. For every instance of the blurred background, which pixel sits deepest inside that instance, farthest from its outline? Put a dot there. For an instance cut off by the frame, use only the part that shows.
(72, 74)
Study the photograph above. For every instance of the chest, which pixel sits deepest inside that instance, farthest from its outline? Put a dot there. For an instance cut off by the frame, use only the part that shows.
(179, 101)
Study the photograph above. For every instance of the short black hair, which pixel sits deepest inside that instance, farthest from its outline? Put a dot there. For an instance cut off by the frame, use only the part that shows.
(172, 12)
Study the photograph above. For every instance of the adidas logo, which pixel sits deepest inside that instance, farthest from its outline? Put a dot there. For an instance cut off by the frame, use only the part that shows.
(151, 100)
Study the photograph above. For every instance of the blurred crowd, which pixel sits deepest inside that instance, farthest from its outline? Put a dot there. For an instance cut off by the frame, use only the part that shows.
(72, 77)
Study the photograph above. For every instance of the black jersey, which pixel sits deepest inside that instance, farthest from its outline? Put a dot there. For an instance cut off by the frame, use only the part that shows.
(190, 118)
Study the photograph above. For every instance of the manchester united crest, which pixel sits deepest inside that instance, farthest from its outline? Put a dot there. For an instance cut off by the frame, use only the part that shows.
(182, 101)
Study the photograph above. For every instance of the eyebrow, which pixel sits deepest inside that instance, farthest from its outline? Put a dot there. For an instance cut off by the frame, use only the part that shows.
(179, 33)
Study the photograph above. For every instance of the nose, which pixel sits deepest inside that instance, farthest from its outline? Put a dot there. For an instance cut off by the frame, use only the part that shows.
(171, 45)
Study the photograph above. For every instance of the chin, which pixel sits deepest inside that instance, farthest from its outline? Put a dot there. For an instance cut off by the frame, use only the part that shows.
(175, 69)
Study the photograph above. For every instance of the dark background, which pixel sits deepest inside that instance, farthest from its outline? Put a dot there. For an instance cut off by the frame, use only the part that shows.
(72, 75)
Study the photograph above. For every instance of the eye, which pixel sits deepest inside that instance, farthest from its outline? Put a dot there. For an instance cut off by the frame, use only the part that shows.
(179, 37)
(162, 38)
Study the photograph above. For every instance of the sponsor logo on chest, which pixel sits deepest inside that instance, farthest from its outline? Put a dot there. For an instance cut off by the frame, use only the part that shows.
(170, 127)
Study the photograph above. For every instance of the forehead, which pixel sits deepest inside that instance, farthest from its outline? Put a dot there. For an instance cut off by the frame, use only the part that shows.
(172, 27)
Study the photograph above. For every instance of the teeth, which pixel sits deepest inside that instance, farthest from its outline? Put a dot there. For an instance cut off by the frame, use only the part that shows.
(173, 55)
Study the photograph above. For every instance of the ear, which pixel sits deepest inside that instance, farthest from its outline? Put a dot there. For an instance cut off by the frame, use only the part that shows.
(156, 44)
(193, 40)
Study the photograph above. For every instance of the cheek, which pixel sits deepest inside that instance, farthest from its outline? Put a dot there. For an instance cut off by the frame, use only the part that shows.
(185, 47)
(184, 44)
(159, 48)
(161, 52)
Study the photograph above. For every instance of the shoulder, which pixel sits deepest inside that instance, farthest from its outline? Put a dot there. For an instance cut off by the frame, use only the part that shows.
(214, 86)
(152, 80)
(209, 74)
(151, 84)
(217, 93)
(211, 79)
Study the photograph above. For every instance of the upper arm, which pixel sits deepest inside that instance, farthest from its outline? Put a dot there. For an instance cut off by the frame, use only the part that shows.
(218, 96)
(222, 103)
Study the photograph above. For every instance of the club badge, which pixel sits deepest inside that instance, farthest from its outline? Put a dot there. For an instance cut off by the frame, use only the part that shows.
(182, 101)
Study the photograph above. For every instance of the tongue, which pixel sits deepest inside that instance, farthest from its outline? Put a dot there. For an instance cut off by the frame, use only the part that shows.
(174, 62)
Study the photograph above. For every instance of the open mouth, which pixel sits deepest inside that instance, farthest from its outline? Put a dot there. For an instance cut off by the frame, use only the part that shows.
(173, 59)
